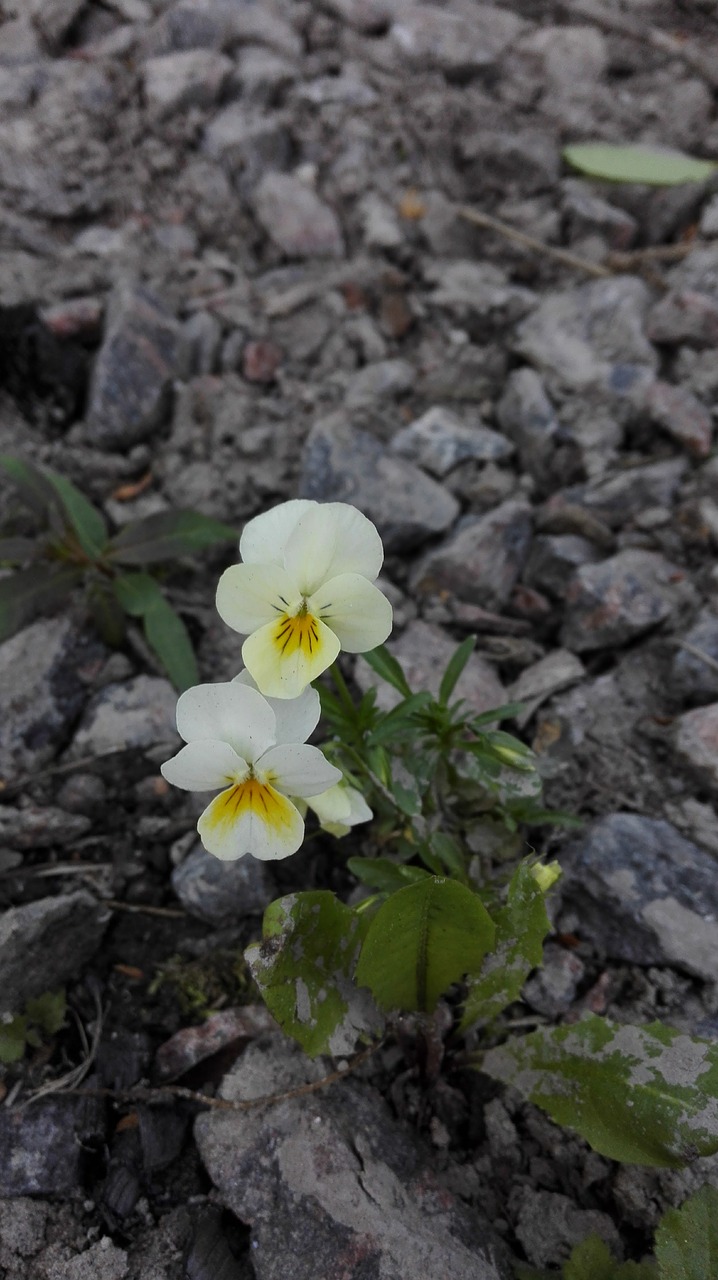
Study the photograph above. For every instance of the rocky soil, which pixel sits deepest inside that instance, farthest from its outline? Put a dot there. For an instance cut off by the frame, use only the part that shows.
(234, 269)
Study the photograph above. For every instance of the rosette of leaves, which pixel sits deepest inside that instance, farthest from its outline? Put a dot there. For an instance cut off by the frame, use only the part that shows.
(74, 551)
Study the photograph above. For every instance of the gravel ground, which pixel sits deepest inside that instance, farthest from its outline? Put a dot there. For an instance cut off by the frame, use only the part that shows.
(237, 265)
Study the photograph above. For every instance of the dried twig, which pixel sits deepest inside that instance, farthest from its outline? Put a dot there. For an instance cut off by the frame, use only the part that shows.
(621, 24)
(69, 1082)
(504, 229)
(144, 908)
(697, 653)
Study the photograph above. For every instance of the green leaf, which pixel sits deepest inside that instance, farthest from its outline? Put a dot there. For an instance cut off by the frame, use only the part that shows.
(303, 966)
(168, 636)
(85, 519)
(507, 711)
(18, 550)
(521, 926)
(136, 592)
(662, 1087)
(687, 1238)
(386, 666)
(167, 535)
(399, 718)
(32, 591)
(384, 875)
(450, 853)
(106, 612)
(454, 668)
(655, 166)
(48, 1011)
(33, 485)
(13, 1038)
(424, 938)
(590, 1260)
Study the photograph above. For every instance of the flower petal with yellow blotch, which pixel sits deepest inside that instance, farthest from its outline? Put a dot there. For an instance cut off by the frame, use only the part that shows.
(298, 770)
(251, 595)
(204, 766)
(251, 818)
(355, 610)
(285, 656)
(297, 718)
(330, 539)
(230, 712)
(265, 537)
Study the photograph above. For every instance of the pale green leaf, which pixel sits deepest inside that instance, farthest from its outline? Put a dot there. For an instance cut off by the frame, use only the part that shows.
(521, 926)
(423, 939)
(167, 535)
(33, 591)
(83, 518)
(643, 1095)
(687, 1238)
(303, 966)
(635, 162)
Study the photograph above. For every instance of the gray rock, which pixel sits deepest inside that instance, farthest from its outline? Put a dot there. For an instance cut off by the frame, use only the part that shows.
(381, 1210)
(479, 294)
(462, 47)
(527, 416)
(45, 943)
(498, 161)
(609, 603)
(102, 1261)
(263, 75)
(380, 223)
(691, 677)
(139, 714)
(424, 652)
(343, 464)
(381, 381)
(185, 26)
(42, 1149)
(591, 336)
(643, 893)
(20, 42)
(482, 562)
(296, 219)
(177, 81)
(549, 1225)
(681, 416)
(53, 19)
(553, 560)
(132, 380)
(203, 336)
(367, 16)
(622, 495)
(22, 1229)
(589, 215)
(45, 671)
(552, 674)
(709, 218)
(248, 143)
(35, 828)
(439, 442)
(221, 893)
(695, 742)
(551, 990)
(684, 315)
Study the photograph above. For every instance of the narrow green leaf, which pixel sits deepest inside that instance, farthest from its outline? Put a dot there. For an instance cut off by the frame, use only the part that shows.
(450, 853)
(34, 487)
(424, 938)
(687, 1238)
(167, 535)
(106, 612)
(303, 966)
(385, 665)
(383, 875)
(507, 711)
(82, 516)
(32, 591)
(399, 719)
(13, 1038)
(655, 166)
(19, 550)
(136, 592)
(167, 635)
(662, 1087)
(521, 926)
(454, 668)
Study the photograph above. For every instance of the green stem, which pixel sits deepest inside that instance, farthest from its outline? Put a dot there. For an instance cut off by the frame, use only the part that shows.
(345, 697)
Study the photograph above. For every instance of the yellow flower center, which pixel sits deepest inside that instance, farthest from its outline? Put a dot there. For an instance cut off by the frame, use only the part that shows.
(252, 797)
(300, 632)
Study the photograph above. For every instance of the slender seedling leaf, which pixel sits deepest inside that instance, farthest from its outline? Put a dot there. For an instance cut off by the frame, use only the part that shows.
(167, 535)
(385, 665)
(454, 668)
(167, 635)
(85, 519)
(654, 166)
(33, 591)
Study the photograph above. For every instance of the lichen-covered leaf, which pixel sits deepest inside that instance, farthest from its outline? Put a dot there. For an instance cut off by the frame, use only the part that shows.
(521, 926)
(655, 166)
(644, 1095)
(421, 940)
(304, 966)
(687, 1238)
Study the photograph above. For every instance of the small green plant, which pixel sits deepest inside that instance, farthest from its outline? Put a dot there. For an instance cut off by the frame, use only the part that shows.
(74, 550)
(43, 1018)
(450, 908)
(636, 162)
(202, 986)
(686, 1248)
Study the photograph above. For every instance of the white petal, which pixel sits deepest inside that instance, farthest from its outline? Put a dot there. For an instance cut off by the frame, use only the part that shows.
(251, 595)
(228, 712)
(355, 610)
(331, 539)
(298, 770)
(265, 538)
(297, 718)
(340, 808)
(251, 818)
(204, 766)
(284, 660)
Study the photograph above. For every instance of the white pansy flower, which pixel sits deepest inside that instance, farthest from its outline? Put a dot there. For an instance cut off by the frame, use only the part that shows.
(340, 808)
(236, 741)
(304, 591)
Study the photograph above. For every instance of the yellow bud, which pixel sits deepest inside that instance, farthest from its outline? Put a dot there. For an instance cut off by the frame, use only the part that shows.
(545, 874)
